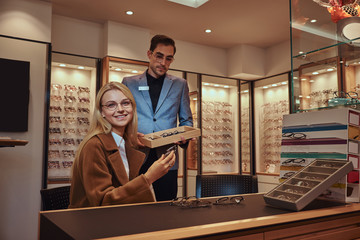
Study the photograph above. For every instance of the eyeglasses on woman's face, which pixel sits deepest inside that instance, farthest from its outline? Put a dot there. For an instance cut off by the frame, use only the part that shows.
(113, 106)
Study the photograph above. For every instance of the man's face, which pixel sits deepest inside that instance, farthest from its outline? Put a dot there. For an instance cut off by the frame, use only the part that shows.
(160, 60)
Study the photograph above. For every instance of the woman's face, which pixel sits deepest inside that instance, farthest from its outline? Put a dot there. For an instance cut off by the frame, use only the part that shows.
(117, 109)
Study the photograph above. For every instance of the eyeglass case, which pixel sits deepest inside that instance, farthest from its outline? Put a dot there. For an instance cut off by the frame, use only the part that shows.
(303, 187)
(165, 137)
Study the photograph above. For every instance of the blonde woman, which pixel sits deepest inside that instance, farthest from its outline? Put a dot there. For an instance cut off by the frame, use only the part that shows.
(107, 163)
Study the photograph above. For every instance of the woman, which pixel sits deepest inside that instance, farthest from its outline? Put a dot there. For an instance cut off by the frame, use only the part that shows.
(106, 165)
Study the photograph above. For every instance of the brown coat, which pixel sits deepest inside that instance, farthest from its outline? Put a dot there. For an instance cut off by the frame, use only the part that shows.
(99, 176)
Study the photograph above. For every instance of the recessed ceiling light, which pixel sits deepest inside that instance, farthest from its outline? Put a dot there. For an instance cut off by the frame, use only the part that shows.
(81, 67)
(206, 84)
(307, 96)
(216, 85)
(315, 73)
(134, 71)
(208, 30)
(330, 69)
(300, 96)
(226, 86)
(301, 52)
(62, 65)
(190, 3)
(284, 83)
(313, 20)
(246, 91)
(274, 85)
(312, 81)
(117, 69)
(303, 79)
(265, 87)
(129, 12)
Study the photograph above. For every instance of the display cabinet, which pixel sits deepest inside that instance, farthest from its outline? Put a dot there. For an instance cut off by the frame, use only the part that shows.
(271, 98)
(245, 128)
(325, 49)
(72, 96)
(220, 128)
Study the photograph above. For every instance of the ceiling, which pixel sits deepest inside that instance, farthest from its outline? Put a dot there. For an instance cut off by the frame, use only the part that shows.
(260, 23)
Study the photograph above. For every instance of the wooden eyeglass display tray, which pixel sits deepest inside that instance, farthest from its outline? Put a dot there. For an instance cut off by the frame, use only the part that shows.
(165, 137)
(306, 185)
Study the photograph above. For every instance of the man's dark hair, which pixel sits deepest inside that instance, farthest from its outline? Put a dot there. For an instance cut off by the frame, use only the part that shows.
(162, 39)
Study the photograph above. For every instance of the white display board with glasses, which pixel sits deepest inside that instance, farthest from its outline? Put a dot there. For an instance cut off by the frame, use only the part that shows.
(72, 91)
(219, 128)
(328, 134)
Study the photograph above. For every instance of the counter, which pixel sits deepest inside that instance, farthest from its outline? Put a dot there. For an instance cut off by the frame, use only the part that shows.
(251, 219)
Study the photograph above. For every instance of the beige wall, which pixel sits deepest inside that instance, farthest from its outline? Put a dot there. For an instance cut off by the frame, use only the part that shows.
(21, 167)
(125, 41)
(26, 19)
(74, 36)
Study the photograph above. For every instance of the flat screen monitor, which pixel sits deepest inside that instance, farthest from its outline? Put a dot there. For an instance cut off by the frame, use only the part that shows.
(14, 95)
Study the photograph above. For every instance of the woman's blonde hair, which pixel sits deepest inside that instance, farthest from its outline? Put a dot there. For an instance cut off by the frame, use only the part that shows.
(101, 125)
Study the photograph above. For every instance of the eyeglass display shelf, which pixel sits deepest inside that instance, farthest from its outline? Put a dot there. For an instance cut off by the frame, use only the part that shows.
(169, 136)
(324, 49)
(309, 183)
(8, 142)
(355, 106)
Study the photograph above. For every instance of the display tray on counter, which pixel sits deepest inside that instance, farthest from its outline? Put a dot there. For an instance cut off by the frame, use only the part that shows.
(306, 185)
(165, 137)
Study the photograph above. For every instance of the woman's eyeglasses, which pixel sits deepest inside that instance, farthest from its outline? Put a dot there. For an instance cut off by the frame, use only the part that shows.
(112, 106)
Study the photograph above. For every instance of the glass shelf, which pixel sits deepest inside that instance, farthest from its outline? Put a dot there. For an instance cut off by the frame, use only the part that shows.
(325, 50)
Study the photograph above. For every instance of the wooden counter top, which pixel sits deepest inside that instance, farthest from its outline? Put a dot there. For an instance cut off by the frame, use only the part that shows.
(161, 221)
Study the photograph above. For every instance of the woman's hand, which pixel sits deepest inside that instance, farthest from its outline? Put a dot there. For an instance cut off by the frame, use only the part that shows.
(160, 167)
(139, 137)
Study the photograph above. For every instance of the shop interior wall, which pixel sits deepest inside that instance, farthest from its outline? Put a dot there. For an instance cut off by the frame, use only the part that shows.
(21, 167)
(26, 19)
(125, 41)
(75, 36)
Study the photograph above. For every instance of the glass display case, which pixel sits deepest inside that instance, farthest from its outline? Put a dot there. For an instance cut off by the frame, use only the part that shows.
(325, 49)
(271, 98)
(72, 96)
(245, 128)
(220, 128)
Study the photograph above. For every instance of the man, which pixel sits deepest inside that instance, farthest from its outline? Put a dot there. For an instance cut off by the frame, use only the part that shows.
(161, 100)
